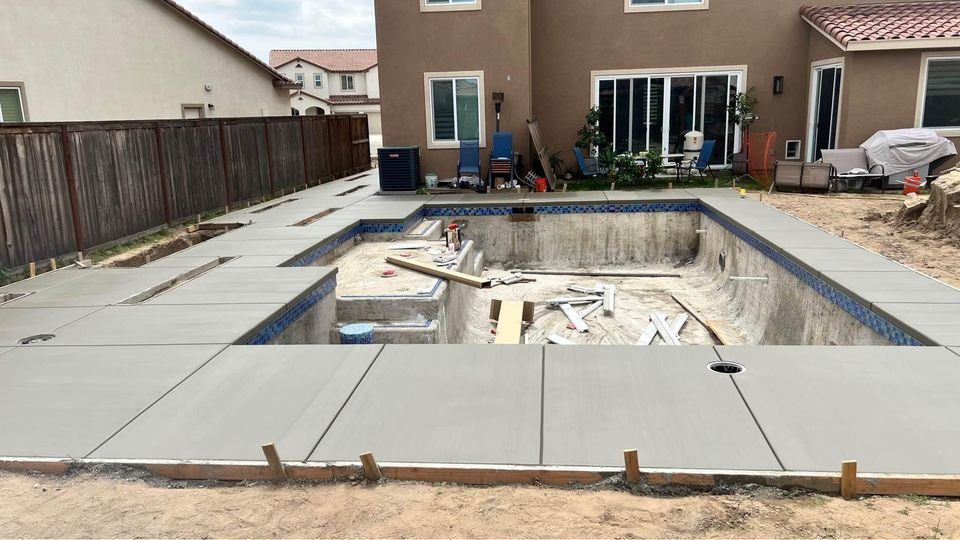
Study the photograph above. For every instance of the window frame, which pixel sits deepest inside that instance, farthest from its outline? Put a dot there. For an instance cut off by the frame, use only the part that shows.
(428, 78)
(926, 59)
(21, 95)
(318, 77)
(299, 77)
(353, 82)
(630, 7)
(475, 5)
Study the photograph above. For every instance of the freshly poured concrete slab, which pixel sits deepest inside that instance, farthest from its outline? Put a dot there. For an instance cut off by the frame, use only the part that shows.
(317, 232)
(147, 324)
(506, 197)
(802, 236)
(884, 287)
(47, 280)
(226, 248)
(247, 286)
(932, 324)
(663, 401)
(894, 410)
(443, 404)
(16, 324)
(569, 197)
(854, 259)
(63, 402)
(654, 195)
(245, 397)
(101, 288)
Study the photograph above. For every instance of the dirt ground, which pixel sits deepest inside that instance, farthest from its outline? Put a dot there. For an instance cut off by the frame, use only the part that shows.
(865, 219)
(88, 506)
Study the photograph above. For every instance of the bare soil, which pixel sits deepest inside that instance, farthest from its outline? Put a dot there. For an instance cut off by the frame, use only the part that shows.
(868, 221)
(114, 506)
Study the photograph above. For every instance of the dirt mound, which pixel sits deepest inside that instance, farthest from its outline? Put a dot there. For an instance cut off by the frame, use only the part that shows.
(942, 213)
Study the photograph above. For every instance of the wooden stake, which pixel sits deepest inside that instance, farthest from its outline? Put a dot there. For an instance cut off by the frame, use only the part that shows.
(631, 460)
(669, 185)
(716, 183)
(613, 186)
(371, 471)
(848, 480)
(565, 187)
(53, 264)
(33, 269)
(199, 219)
(273, 459)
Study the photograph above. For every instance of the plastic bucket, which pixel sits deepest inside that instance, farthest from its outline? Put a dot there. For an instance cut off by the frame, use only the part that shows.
(432, 180)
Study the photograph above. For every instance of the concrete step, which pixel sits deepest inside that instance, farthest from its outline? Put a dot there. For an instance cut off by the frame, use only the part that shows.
(427, 229)
(421, 332)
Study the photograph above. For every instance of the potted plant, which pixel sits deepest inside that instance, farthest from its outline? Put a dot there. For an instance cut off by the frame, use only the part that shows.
(608, 161)
(654, 163)
(590, 137)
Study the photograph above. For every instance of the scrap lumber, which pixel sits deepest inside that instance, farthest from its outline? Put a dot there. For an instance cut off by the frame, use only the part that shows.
(597, 289)
(273, 460)
(651, 332)
(557, 340)
(579, 300)
(597, 274)
(510, 316)
(589, 310)
(646, 338)
(666, 333)
(575, 318)
(848, 480)
(631, 461)
(442, 273)
(371, 471)
(609, 298)
(720, 329)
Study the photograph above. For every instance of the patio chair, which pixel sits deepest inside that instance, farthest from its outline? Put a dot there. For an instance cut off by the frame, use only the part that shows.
(850, 165)
(589, 167)
(816, 176)
(702, 163)
(787, 176)
(469, 159)
(502, 163)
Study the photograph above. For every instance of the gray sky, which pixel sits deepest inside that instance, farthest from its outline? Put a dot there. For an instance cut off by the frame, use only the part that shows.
(261, 25)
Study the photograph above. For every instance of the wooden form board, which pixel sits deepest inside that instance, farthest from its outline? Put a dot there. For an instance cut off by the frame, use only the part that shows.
(510, 316)
(823, 482)
(442, 273)
(721, 329)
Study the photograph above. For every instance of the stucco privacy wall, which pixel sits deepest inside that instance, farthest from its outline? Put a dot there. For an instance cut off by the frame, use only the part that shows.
(495, 40)
(126, 60)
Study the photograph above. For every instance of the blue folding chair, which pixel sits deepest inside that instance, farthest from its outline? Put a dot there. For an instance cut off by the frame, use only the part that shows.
(590, 167)
(469, 159)
(703, 160)
(501, 158)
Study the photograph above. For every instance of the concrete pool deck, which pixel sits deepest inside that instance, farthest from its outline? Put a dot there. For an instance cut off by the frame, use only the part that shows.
(172, 377)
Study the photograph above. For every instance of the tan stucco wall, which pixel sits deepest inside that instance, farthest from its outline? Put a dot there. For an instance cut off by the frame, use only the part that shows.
(125, 59)
(494, 40)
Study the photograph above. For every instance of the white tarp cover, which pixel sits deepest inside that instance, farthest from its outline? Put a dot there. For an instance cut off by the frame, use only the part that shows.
(900, 150)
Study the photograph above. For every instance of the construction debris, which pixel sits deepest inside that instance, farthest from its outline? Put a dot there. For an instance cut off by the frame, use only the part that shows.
(575, 318)
(510, 317)
(591, 309)
(458, 277)
(597, 274)
(557, 340)
(666, 333)
(580, 300)
(609, 298)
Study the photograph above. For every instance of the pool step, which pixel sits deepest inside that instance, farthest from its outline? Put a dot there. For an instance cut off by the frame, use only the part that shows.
(427, 229)
(399, 333)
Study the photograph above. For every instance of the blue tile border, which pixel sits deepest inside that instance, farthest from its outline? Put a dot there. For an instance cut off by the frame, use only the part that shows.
(291, 315)
(855, 309)
(327, 247)
(553, 209)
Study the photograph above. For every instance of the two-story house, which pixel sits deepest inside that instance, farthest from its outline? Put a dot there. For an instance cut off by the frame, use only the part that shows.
(85, 60)
(334, 81)
(827, 74)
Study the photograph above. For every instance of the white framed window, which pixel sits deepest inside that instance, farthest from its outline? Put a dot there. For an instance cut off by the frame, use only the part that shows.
(449, 5)
(454, 108)
(318, 80)
(792, 151)
(11, 104)
(298, 77)
(637, 6)
(346, 83)
(938, 105)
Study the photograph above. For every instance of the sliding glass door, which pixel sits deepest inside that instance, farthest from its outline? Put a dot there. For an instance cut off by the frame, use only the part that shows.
(827, 81)
(642, 112)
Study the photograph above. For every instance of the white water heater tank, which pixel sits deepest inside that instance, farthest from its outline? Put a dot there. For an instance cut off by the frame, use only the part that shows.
(692, 145)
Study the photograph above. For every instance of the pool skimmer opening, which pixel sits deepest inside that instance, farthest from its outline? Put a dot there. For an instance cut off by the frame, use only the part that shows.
(39, 338)
(726, 368)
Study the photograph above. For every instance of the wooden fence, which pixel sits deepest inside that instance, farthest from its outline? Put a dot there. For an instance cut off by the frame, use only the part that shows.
(70, 187)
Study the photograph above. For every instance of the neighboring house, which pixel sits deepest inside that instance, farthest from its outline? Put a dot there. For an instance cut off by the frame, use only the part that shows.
(76, 60)
(828, 77)
(344, 81)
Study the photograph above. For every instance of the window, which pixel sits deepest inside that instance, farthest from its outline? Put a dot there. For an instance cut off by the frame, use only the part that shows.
(654, 109)
(298, 77)
(631, 6)
(346, 83)
(11, 105)
(449, 5)
(940, 108)
(792, 150)
(455, 109)
(318, 80)
(192, 111)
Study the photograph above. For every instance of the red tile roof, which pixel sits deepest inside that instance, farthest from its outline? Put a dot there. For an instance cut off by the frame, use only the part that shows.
(335, 60)
(340, 99)
(878, 26)
(281, 78)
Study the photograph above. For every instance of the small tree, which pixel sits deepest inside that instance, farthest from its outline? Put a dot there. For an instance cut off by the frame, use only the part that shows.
(590, 136)
(742, 108)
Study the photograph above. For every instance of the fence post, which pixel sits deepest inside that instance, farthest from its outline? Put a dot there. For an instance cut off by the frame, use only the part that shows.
(266, 132)
(162, 164)
(303, 151)
(72, 186)
(225, 154)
